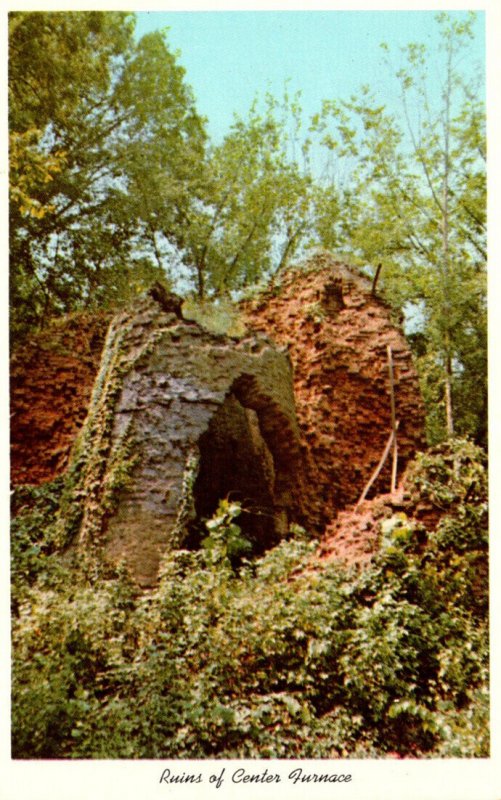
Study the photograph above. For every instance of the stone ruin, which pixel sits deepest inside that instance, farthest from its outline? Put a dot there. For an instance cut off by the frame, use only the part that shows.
(290, 420)
(337, 333)
(180, 419)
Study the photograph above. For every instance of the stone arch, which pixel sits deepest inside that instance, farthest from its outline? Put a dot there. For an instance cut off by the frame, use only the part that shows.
(249, 453)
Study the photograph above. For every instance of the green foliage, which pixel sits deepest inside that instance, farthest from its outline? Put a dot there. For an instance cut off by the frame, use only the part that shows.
(106, 149)
(74, 640)
(451, 473)
(257, 204)
(314, 312)
(415, 201)
(33, 537)
(225, 542)
(113, 185)
(281, 657)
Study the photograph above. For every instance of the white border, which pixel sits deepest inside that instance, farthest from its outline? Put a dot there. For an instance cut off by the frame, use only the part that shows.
(372, 780)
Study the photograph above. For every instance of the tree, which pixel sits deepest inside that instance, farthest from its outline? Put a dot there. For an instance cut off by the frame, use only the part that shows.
(113, 186)
(105, 144)
(228, 237)
(257, 205)
(416, 202)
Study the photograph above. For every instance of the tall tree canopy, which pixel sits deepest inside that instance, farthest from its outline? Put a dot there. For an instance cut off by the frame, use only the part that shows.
(416, 202)
(114, 183)
(257, 203)
(105, 148)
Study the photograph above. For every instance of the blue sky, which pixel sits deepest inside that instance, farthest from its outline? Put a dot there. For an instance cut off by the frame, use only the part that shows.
(231, 56)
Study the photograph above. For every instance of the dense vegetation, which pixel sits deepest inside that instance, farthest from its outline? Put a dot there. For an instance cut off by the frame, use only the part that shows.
(329, 663)
(114, 183)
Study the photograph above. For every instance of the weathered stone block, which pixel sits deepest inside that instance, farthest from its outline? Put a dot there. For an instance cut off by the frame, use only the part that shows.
(179, 420)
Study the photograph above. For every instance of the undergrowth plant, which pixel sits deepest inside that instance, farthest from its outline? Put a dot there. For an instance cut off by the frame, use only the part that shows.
(281, 656)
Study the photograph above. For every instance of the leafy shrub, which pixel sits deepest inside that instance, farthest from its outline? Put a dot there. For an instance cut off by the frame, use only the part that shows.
(282, 657)
(34, 509)
(450, 473)
(225, 542)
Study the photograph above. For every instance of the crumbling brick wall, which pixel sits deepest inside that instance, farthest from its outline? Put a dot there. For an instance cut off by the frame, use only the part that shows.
(337, 334)
(180, 418)
(51, 380)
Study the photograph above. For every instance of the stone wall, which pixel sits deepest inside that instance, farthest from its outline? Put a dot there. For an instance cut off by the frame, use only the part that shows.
(180, 419)
(51, 380)
(337, 334)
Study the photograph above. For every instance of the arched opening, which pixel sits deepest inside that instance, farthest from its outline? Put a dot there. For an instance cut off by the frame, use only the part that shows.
(245, 456)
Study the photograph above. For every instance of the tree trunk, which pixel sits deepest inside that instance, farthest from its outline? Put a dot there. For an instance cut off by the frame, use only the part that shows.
(449, 416)
(200, 280)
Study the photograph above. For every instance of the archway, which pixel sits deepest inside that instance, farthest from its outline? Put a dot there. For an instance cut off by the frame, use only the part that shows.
(247, 454)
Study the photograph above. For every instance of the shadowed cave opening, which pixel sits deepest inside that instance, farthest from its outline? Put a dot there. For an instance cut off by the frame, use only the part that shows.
(236, 463)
